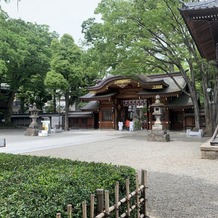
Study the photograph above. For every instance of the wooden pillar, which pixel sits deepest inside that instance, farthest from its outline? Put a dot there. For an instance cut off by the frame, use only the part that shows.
(100, 200)
(149, 117)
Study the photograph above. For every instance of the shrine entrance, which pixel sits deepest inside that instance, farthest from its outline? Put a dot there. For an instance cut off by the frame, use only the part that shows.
(130, 110)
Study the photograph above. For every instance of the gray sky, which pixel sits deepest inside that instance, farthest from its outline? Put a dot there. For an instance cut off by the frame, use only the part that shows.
(63, 16)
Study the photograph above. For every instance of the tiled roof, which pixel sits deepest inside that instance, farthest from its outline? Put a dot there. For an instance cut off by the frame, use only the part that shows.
(91, 106)
(80, 114)
(200, 5)
(171, 90)
(201, 19)
(181, 101)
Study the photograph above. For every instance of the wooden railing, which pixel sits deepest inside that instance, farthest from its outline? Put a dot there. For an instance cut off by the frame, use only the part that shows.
(134, 202)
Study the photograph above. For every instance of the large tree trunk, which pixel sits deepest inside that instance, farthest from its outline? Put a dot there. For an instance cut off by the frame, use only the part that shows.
(66, 123)
(196, 110)
(207, 107)
(193, 93)
(210, 92)
(8, 111)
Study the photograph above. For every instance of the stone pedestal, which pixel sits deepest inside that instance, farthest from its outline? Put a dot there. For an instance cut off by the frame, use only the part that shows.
(208, 151)
(158, 136)
(32, 132)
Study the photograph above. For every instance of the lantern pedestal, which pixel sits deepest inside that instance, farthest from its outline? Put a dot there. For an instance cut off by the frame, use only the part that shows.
(158, 136)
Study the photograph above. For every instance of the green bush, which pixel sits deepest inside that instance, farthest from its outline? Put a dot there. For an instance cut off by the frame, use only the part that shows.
(42, 186)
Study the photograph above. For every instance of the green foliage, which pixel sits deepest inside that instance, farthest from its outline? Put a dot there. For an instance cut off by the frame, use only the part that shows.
(137, 124)
(137, 36)
(24, 59)
(56, 80)
(42, 186)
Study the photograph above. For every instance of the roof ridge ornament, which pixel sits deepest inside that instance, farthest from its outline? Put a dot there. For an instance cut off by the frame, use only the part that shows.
(122, 83)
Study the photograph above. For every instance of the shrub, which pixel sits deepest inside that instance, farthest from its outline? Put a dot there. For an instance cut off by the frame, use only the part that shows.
(42, 186)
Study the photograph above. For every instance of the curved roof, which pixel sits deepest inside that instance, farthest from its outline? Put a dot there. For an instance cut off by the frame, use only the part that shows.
(122, 81)
(141, 87)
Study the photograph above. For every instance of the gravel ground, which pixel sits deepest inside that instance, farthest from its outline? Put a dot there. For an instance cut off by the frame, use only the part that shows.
(180, 184)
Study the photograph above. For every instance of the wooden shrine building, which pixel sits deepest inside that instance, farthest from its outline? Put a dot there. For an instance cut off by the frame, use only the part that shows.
(117, 98)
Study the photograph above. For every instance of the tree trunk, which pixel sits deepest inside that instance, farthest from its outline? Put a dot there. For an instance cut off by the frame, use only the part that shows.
(54, 103)
(196, 111)
(22, 105)
(66, 123)
(8, 111)
(193, 93)
(207, 107)
(215, 99)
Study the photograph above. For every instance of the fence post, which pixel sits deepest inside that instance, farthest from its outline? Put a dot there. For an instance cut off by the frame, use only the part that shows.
(69, 210)
(127, 198)
(144, 183)
(117, 199)
(58, 215)
(92, 205)
(137, 197)
(107, 203)
(84, 209)
(100, 200)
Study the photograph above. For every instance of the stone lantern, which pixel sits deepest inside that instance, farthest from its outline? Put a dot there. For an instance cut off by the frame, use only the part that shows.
(33, 128)
(157, 113)
(158, 133)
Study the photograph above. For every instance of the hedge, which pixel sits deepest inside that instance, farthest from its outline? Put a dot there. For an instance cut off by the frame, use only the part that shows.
(42, 186)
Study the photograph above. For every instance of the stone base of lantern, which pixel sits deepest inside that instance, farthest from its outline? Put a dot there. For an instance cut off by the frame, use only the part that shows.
(158, 136)
(31, 132)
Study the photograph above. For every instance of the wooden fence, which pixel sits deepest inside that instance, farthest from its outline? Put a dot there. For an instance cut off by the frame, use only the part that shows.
(134, 202)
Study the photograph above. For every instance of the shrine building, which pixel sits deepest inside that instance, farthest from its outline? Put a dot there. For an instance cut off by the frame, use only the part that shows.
(117, 98)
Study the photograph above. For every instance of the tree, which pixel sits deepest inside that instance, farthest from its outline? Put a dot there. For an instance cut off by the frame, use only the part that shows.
(66, 71)
(137, 36)
(24, 52)
(56, 84)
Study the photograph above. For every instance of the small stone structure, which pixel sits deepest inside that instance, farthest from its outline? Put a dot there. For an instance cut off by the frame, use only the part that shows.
(198, 134)
(209, 150)
(158, 133)
(2, 142)
(33, 128)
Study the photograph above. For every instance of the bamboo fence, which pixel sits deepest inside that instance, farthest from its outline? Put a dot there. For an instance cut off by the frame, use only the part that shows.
(134, 202)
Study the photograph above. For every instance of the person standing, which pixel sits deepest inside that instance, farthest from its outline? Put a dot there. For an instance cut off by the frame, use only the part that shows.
(127, 124)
